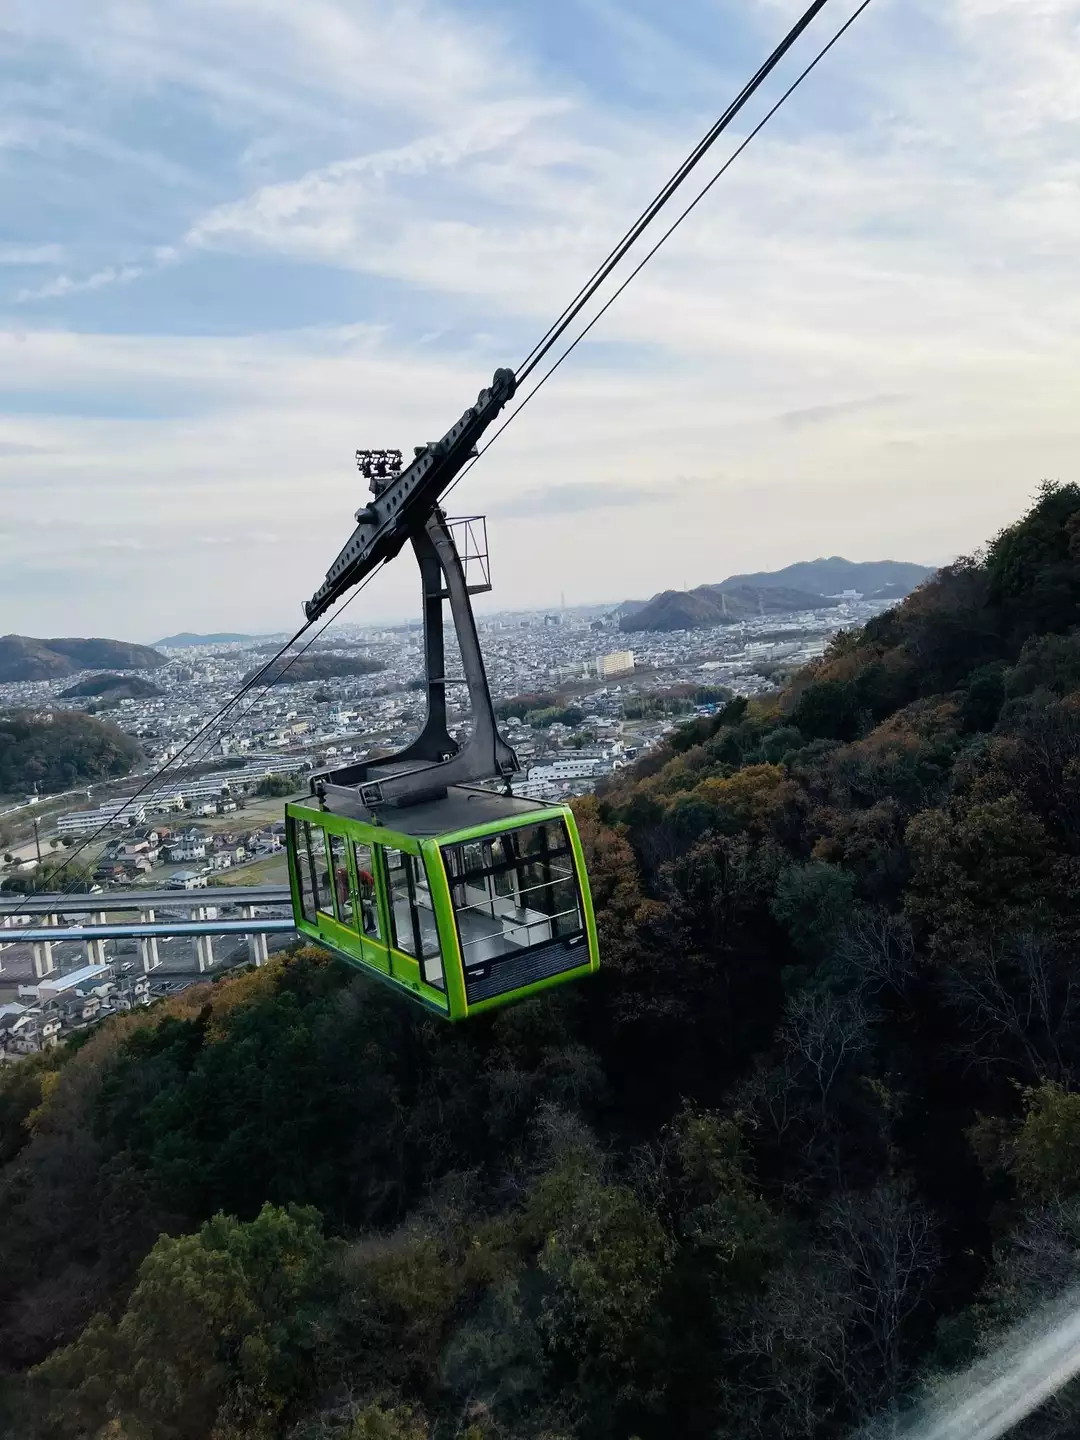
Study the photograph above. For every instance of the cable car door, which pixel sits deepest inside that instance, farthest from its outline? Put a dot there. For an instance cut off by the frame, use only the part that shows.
(368, 916)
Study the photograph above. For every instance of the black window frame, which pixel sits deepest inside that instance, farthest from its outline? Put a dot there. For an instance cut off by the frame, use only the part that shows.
(374, 860)
(301, 857)
(419, 954)
(518, 864)
(326, 909)
(302, 850)
(333, 836)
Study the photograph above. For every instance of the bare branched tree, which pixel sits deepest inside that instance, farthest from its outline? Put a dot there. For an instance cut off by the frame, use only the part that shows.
(1020, 999)
(831, 1330)
(825, 1032)
(880, 949)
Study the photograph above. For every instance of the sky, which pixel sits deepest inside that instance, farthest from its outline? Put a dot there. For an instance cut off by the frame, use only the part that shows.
(241, 238)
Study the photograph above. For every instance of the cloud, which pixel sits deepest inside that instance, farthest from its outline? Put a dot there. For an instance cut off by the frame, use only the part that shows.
(14, 447)
(31, 254)
(822, 414)
(573, 500)
(64, 285)
(330, 211)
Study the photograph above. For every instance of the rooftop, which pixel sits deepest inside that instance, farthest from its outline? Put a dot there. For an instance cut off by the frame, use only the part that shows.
(463, 807)
(88, 975)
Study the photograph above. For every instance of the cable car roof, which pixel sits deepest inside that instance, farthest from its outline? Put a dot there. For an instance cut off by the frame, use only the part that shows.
(462, 808)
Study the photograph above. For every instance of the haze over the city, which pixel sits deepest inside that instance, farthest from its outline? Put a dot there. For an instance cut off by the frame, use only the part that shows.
(232, 252)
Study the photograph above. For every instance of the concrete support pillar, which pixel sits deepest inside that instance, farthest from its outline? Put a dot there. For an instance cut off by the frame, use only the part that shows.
(258, 953)
(148, 947)
(95, 949)
(204, 944)
(44, 964)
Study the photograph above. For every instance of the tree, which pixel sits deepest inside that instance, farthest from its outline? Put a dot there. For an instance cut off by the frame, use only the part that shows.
(1046, 1148)
(217, 1332)
(276, 786)
(60, 750)
(833, 1323)
(812, 902)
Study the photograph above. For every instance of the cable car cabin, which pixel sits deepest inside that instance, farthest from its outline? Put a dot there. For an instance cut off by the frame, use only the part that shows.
(466, 902)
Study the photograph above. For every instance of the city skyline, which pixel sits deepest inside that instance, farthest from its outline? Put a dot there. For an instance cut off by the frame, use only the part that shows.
(242, 240)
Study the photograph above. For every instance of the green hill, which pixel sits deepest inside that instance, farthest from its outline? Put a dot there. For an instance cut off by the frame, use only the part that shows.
(60, 749)
(24, 658)
(299, 669)
(807, 1143)
(711, 605)
(112, 687)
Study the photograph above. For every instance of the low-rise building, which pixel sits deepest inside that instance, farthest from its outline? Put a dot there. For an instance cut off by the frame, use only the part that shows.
(114, 813)
(187, 880)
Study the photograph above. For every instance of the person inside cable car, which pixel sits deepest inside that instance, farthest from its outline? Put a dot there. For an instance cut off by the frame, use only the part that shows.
(341, 879)
(365, 882)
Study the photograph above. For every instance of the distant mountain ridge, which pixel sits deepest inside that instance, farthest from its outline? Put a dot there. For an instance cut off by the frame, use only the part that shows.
(834, 575)
(188, 638)
(22, 657)
(806, 585)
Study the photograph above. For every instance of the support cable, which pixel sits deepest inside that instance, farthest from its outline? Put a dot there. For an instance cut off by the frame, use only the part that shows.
(663, 239)
(658, 202)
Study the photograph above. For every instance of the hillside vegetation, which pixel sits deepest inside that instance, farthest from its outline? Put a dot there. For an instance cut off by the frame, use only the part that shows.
(809, 1140)
(294, 670)
(23, 658)
(711, 605)
(112, 687)
(60, 749)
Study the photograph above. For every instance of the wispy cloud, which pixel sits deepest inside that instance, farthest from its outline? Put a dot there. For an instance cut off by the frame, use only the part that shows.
(31, 254)
(67, 285)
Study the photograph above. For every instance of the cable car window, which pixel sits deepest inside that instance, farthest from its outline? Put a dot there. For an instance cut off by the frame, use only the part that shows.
(412, 914)
(320, 869)
(513, 891)
(304, 870)
(366, 896)
(313, 870)
(342, 884)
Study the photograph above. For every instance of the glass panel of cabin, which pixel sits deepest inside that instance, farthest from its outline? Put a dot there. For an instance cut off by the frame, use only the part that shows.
(412, 914)
(339, 865)
(514, 891)
(315, 840)
(304, 871)
(367, 898)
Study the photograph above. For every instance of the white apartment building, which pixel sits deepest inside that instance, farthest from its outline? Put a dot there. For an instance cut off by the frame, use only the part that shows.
(619, 662)
(577, 769)
(112, 813)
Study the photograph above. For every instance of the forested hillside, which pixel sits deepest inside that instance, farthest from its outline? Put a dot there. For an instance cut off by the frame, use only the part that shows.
(809, 1140)
(59, 749)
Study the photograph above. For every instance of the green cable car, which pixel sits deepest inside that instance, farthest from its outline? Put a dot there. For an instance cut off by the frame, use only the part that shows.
(465, 897)
(466, 903)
